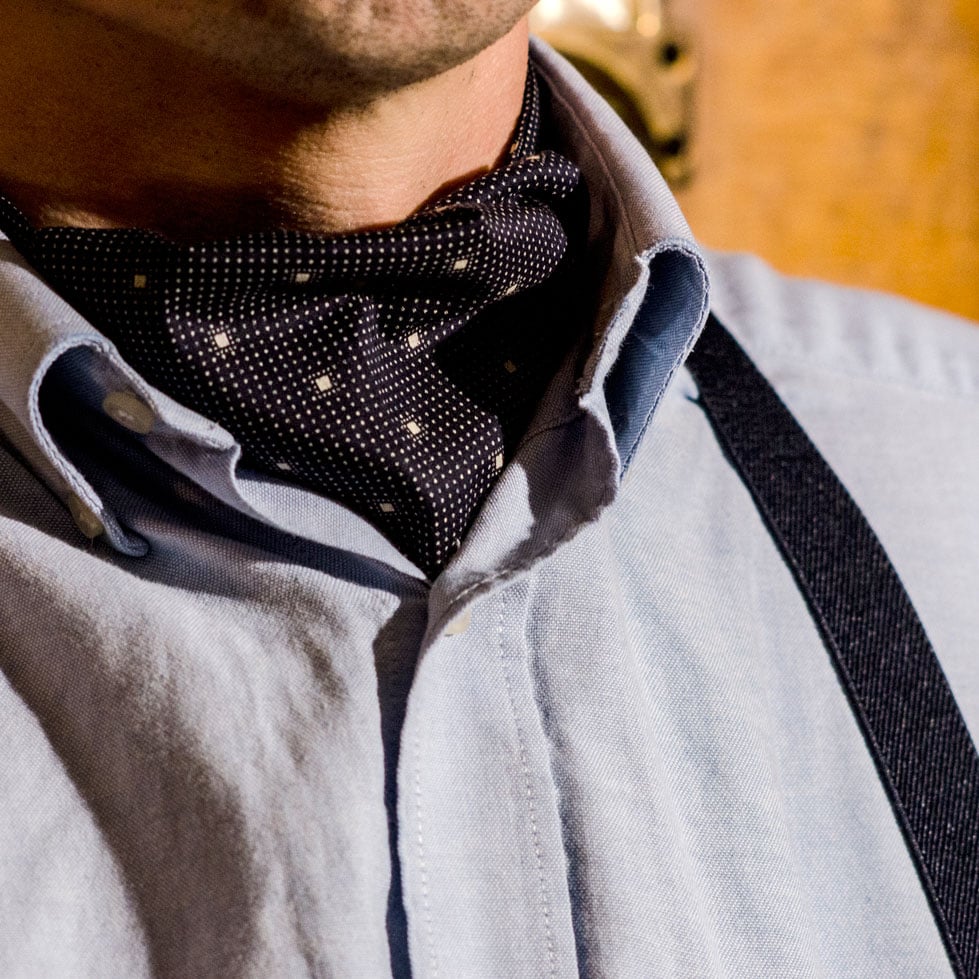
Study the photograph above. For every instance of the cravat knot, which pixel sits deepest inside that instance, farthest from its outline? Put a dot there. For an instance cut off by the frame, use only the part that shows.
(383, 368)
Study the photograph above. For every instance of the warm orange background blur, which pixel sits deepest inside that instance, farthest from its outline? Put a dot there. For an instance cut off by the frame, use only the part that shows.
(840, 139)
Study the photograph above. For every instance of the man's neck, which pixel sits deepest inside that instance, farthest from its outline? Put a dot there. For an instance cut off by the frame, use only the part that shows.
(100, 127)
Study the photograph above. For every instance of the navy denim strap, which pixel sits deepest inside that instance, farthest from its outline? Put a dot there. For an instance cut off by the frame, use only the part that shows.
(886, 664)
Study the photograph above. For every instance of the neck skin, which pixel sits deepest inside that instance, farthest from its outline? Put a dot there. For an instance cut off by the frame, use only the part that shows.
(100, 127)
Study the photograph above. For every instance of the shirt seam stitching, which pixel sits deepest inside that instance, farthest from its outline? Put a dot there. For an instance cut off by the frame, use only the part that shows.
(422, 867)
(529, 794)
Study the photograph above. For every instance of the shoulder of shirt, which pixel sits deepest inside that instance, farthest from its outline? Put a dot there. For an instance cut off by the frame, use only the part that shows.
(802, 326)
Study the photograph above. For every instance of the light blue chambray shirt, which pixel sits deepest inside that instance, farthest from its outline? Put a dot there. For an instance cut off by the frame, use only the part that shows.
(608, 740)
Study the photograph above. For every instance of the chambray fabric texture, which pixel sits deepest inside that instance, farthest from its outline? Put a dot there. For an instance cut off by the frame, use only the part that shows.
(606, 741)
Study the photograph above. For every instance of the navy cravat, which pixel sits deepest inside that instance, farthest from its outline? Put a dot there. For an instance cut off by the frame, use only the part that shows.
(392, 370)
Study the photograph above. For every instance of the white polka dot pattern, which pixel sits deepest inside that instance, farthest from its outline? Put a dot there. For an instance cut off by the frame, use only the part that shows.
(392, 370)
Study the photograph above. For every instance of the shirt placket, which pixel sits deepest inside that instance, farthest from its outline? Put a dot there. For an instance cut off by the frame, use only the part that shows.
(482, 861)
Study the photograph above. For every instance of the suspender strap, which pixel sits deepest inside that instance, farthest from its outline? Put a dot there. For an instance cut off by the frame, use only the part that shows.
(886, 664)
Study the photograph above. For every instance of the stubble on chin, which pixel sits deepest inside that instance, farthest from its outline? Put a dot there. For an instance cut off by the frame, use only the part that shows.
(320, 52)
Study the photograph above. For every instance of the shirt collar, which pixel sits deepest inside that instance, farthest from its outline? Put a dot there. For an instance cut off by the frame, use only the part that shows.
(654, 296)
(652, 304)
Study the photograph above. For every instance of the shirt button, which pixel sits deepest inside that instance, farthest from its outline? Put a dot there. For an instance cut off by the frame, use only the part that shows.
(460, 623)
(129, 411)
(85, 520)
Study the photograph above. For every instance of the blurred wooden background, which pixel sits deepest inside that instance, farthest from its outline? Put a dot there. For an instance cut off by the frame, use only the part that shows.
(840, 139)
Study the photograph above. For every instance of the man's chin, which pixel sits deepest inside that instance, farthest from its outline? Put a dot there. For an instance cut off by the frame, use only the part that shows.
(319, 52)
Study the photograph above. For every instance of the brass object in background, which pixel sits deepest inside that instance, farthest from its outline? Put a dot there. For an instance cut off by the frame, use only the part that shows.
(631, 52)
